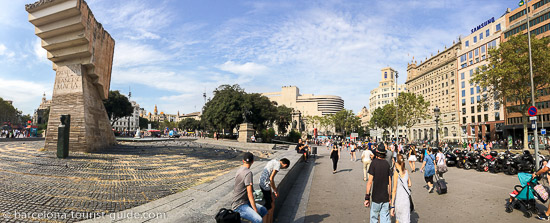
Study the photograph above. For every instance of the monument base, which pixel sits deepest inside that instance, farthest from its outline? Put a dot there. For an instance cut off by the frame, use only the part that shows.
(75, 94)
(246, 130)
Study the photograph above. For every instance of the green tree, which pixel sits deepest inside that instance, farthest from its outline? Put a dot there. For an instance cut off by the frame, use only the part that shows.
(225, 109)
(117, 106)
(345, 121)
(143, 123)
(263, 112)
(507, 77)
(8, 113)
(284, 117)
(189, 124)
(384, 117)
(412, 109)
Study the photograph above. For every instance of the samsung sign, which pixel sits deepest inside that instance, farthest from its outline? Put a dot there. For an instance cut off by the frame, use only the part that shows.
(483, 24)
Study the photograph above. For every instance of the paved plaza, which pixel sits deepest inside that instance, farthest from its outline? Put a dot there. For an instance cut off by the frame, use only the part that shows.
(473, 196)
(35, 181)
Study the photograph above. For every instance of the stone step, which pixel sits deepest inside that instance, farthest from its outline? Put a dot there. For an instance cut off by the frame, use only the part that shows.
(56, 10)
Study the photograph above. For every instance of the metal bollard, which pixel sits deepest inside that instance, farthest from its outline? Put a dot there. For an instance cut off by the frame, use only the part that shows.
(63, 136)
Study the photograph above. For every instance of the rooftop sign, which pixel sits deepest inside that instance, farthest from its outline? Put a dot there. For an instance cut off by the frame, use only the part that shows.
(483, 24)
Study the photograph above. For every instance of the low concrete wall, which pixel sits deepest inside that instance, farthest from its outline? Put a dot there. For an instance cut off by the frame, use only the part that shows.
(22, 139)
(202, 202)
(238, 145)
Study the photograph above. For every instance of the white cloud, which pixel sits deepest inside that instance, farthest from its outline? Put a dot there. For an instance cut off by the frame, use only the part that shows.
(5, 52)
(248, 68)
(134, 53)
(40, 53)
(26, 95)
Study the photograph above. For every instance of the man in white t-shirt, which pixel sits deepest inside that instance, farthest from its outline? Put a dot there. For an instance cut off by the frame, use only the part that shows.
(267, 183)
(366, 158)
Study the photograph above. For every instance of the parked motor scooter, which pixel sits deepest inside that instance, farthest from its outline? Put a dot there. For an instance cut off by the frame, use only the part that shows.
(451, 158)
(484, 160)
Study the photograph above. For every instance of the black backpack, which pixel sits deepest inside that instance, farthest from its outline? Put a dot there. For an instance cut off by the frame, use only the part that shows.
(227, 216)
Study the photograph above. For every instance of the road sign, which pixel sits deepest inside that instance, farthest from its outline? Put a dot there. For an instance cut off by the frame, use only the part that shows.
(533, 118)
(532, 111)
(354, 135)
(534, 124)
(543, 131)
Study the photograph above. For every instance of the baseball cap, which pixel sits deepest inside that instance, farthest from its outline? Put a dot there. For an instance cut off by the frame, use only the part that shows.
(248, 157)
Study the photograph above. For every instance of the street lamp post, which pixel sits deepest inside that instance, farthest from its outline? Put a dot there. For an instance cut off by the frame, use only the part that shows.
(436, 113)
(396, 110)
(536, 141)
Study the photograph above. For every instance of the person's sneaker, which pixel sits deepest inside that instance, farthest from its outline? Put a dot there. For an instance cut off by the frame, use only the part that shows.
(542, 216)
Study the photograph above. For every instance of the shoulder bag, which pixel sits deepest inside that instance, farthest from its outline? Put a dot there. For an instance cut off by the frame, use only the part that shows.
(410, 197)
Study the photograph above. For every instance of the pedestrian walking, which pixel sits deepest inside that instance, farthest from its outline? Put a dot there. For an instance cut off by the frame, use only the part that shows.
(267, 184)
(428, 167)
(334, 155)
(243, 200)
(412, 158)
(400, 206)
(379, 182)
(353, 147)
(441, 163)
(366, 158)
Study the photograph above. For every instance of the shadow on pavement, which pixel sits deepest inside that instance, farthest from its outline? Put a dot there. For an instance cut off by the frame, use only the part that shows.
(344, 170)
(414, 217)
(313, 218)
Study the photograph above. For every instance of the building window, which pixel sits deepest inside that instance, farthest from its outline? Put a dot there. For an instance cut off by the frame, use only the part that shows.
(471, 91)
(478, 98)
(478, 89)
(483, 49)
(471, 72)
(498, 27)
(479, 118)
(461, 76)
(476, 52)
(486, 117)
(472, 100)
(467, 43)
(463, 120)
(463, 101)
(463, 84)
(385, 75)
(470, 54)
(478, 108)
(463, 93)
(473, 121)
(480, 36)
(475, 39)
(485, 107)
(486, 33)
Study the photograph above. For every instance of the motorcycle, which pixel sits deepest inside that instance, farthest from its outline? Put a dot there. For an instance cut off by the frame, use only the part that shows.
(499, 164)
(484, 160)
(469, 160)
(451, 158)
(460, 158)
(520, 163)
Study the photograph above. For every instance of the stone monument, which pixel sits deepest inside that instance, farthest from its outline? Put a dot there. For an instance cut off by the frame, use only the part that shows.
(246, 130)
(82, 55)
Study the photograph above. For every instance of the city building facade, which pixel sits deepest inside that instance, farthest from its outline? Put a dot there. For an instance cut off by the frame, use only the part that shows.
(364, 115)
(40, 114)
(131, 122)
(539, 26)
(305, 105)
(384, 94)
(481, 117)
(436, 80)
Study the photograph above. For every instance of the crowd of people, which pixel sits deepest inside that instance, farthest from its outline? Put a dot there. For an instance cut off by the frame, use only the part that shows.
(14, 133)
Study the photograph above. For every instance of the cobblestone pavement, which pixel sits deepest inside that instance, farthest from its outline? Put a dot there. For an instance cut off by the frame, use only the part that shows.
(35, 186)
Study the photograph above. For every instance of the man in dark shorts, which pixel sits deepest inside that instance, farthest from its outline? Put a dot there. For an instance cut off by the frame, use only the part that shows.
(379, 181)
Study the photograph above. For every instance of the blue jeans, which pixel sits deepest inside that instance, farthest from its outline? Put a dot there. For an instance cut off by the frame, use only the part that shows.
(382, 209)
(248, 213)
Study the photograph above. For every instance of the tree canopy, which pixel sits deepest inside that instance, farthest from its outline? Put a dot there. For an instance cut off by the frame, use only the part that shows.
(412, 109)
(189, 124)
(231, 104)
(117, 106)
(507, 77)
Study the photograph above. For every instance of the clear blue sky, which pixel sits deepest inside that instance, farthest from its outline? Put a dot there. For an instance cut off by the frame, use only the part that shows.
(170, 52)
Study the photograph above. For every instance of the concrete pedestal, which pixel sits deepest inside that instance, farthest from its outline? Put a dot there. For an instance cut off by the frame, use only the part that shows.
(74, 93)
(246, 130)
